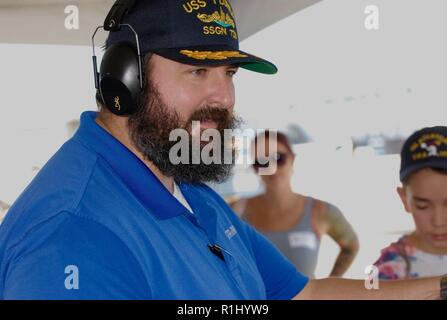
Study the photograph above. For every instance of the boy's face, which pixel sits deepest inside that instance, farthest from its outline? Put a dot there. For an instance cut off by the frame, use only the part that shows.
(425, 197)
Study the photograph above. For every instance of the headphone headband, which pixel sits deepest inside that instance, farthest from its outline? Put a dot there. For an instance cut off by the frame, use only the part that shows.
(116, 14)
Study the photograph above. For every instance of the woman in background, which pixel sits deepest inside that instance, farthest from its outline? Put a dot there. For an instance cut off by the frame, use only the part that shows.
(293, 222)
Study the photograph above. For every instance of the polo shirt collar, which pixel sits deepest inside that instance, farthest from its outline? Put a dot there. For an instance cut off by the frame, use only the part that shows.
(134, 173)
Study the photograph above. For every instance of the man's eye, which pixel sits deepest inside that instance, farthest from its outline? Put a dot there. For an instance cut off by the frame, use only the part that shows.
(199, 72)
(231, 72)
(421, 207)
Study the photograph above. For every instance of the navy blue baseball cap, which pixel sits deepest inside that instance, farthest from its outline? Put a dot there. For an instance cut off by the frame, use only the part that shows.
(426, 148)
(194, 32)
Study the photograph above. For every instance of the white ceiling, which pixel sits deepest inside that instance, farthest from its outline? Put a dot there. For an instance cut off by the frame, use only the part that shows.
(42, 21)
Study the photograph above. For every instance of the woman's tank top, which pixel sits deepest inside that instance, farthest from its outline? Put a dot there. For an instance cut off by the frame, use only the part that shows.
(301, 244)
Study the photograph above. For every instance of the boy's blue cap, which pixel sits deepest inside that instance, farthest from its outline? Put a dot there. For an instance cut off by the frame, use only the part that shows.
(195, 32)
(426, 148)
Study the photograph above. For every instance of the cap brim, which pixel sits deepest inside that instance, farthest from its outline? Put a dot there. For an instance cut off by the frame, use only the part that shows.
(433, 163)
(216, 56)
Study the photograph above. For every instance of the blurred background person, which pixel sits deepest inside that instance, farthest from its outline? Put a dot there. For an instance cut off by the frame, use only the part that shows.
(293, 222)
(423, 174)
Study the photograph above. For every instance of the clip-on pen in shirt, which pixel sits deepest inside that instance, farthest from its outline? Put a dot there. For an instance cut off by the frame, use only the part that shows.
(216, 250)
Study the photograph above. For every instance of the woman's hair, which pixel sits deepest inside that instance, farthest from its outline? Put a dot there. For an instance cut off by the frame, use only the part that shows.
(280, 137)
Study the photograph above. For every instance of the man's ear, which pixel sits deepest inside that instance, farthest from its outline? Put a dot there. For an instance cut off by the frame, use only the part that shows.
(402, 192)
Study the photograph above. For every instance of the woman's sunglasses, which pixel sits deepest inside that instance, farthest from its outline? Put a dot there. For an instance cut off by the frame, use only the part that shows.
(279, 158)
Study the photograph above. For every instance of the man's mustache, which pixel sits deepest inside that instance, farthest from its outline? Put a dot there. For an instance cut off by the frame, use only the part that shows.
(221, 116)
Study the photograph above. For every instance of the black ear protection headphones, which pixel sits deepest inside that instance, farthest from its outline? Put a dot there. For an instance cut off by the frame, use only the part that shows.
(120, 79)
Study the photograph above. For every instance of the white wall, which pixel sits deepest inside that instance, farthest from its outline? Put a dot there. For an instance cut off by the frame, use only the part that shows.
(43, 87)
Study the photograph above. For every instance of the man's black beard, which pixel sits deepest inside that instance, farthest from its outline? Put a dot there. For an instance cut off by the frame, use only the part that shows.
(151, 126)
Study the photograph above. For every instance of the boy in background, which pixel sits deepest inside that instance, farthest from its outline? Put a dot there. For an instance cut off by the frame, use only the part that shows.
(423, 173)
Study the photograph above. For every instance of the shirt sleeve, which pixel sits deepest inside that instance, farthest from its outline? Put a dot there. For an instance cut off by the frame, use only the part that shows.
(282, 280)
(391, 264)
(70, 257)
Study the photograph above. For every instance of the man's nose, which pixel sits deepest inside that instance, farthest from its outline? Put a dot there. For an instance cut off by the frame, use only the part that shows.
(220, 90)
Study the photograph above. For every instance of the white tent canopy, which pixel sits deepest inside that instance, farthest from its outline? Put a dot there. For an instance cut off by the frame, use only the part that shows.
(43, 21)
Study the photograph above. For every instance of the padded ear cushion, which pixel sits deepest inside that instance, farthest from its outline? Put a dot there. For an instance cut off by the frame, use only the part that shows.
(119, 81)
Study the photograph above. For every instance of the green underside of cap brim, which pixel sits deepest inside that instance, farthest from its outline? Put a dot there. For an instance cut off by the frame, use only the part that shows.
(261, 67)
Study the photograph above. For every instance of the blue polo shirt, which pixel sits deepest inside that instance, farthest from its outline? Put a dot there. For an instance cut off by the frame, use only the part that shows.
(96, 223)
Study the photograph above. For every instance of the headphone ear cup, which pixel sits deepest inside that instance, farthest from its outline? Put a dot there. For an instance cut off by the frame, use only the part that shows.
(119, 79)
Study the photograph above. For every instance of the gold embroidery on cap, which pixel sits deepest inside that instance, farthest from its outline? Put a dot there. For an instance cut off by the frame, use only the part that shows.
(428, 146)
(227, 5)
(221, 22)
(212, 55)
(222, 19)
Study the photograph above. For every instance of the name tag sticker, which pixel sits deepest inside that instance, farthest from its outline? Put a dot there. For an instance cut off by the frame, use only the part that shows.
(303, 239)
